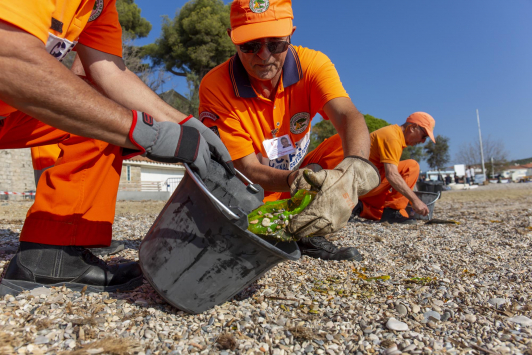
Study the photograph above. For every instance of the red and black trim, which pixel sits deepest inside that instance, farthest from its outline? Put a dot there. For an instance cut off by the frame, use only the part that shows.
(130, 153)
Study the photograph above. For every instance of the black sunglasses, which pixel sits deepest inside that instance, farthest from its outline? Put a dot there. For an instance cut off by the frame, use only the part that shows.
(274, 47)
(424, 131)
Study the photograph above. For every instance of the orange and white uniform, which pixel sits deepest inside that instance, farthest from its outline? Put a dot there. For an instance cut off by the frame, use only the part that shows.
(76, 200)
(247, 122)
(387, 145)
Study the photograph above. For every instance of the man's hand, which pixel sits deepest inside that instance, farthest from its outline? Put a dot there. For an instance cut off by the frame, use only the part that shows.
(169, 142)
(420, 207)
(338, 195)
(297, 181)
(217, 148)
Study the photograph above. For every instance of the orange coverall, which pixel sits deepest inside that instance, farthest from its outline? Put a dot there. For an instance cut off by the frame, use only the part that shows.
(76, 200)
(387, 145)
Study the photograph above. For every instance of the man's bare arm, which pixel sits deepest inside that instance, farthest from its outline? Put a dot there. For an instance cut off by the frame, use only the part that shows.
(35, 83)
(269, 178)
(350, 124)
(123, 86)
(399, 184)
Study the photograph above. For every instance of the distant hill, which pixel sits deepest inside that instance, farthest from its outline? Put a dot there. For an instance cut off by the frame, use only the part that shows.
(520, 161)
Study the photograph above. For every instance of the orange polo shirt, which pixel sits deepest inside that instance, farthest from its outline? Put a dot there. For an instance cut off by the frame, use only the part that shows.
(245, 120)
(61, 24)
(387, 145)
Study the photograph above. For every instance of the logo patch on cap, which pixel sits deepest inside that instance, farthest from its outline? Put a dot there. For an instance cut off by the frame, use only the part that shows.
(299, 122)
(259, 6)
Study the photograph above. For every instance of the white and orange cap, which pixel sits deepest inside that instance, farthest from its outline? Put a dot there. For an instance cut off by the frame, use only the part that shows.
(424, 120)
(254, 19)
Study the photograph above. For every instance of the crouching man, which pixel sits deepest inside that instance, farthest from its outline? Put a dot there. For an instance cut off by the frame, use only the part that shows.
(261, 102)
(388, 201)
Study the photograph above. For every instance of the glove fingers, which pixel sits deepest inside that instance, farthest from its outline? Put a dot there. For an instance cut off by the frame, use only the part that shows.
(200, 165)
(222, 159)
(315, 179)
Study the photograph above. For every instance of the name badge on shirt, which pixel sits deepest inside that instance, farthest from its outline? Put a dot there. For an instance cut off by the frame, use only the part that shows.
(278, 147)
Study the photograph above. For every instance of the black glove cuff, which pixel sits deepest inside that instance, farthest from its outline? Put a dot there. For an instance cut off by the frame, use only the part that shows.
(366, 161)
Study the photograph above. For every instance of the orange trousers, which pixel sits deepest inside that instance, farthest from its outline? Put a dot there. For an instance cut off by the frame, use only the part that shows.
(385, 196)
(44, 156)
(328, 155)
(76, 198)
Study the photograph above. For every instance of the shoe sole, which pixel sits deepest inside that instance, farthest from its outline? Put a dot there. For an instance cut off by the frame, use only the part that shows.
(107, 251)
(14, 287)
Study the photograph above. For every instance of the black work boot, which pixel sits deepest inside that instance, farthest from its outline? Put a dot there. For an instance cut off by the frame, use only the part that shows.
(114, 248)
(358, 209)
(37, 265)
(394, 216)
(319, 247)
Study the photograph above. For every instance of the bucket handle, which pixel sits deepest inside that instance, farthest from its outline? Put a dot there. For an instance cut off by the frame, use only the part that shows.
(250, 183)
(230, 214)
(436, 199)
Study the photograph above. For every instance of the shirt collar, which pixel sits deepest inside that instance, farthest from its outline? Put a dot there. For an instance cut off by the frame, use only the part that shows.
(292, 73)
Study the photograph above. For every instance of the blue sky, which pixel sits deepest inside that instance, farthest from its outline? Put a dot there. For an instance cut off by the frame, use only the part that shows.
(447, 58)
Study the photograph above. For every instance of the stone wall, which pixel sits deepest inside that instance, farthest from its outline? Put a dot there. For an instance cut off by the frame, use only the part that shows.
(16, 172)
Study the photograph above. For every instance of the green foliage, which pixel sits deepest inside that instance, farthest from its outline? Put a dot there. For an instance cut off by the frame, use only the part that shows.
(195, 40)
(416, 152)
(438, 153)
(325, 129)
(374, 123)
(320, 132)
(133, 25)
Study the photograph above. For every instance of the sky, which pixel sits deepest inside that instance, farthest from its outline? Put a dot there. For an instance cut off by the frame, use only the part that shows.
(448, 58)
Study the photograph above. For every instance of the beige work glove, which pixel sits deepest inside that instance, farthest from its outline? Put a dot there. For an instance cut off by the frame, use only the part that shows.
(338, 192)
(299, 182)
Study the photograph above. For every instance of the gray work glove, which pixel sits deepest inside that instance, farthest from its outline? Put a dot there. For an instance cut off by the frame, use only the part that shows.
(338, 192)
(217, 148)
(299, 181)
(168, 142)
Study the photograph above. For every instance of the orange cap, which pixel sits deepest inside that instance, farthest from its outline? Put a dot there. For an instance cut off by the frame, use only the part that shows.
(424, 120)
(253, 19)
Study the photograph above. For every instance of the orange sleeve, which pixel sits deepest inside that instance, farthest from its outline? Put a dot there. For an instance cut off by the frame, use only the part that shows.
(104, 33)
(324, 82)
(214, 114)
(33, 16)
(390, 148)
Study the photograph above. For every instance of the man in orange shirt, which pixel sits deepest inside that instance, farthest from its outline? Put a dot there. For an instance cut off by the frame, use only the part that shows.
(388, 201)
(266, 95)
(42, 103)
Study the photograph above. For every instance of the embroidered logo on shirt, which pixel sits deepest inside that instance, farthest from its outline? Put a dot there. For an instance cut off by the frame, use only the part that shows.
(96, 10)
(57, 25)
(206, 114)
(299, 122)
(259, 6)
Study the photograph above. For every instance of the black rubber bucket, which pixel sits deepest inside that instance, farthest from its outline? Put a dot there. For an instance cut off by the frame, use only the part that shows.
(199, 253)
(429, 198)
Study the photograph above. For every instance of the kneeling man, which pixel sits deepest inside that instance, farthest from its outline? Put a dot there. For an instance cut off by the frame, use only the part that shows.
(261, 102)
(388, 201)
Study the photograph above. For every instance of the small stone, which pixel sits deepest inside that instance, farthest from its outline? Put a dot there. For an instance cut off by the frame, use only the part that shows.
(471, 318)
(394, 324)
(40, 291)
(266, 222)
(428, 314)
(329, 324)
(497, 302)
(41, 340)
(415, 308)
(445, 317)
(401, 309)
(522, 320)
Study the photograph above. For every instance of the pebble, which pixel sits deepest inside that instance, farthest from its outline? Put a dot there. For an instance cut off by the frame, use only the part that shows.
(41, 291)
(415, 308)
(394, 324)
(471, 318)
(428, 314)
(497, 301)
(522, 320)
(401, 309)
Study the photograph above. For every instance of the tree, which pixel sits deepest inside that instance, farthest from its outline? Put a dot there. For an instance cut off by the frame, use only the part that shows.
(438, 153)
(133, 25)
(414, 152)
(195, 41)
(469, 154)
(374, 123)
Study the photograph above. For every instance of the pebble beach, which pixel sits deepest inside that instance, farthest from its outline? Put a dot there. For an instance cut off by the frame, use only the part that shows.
(461, 286)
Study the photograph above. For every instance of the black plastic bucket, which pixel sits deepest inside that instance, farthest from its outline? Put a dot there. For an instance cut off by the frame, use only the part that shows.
(429, 199)
(199, 253)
